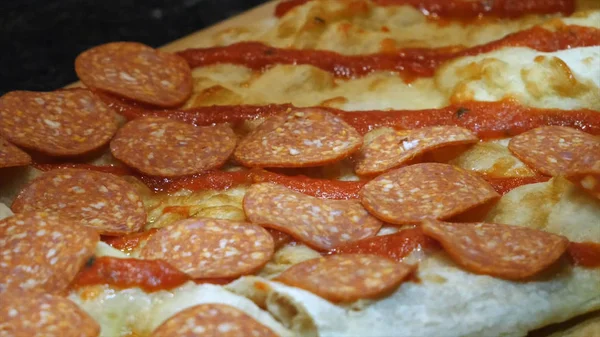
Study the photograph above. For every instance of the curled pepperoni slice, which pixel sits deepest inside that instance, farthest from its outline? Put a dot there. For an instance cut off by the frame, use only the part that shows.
(99, 200)
(299, 138)
(410, 194)
(398, 148)
(509, 252)
(556, 150)
(165, 147)
(347, 277)
(59, 123)
(321, 224)
(210, 248)
(212, 319)
(11, 155)
(44, 315)
(136, 71)
(42, 252)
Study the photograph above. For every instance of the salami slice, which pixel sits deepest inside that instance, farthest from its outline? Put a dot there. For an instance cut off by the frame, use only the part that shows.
(212, 319)
(410, 194)
(59, 123)
(44, 315)
(509, 252)
(99, 200)
(211, 248)
(556, 150)
(298, 138)
(347, 277)
(398, 148)
(136, 71)
(11, 155)
(42, 252)
(321, 224)
(165, 147)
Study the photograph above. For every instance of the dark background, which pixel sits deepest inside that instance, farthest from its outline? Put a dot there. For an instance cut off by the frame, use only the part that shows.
(41, 38)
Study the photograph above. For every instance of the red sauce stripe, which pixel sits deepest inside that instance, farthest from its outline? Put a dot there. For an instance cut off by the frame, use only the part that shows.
(585, 254)
(458, 9)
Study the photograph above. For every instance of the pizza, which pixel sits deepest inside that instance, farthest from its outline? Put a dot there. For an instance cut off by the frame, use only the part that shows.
(335, 168)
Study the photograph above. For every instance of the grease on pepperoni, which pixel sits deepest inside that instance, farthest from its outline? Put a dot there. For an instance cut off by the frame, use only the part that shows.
(504, 251)
(59, 123)
(410, 194)
(347, 277)
(556, 150)
(44, 315)
(165, 147)
(211, 248)
(299, 138)
(136, 71)
(321, 224)
(11, 156)
(42, 252)
(398, 148)
(99, 200)
(212, 319)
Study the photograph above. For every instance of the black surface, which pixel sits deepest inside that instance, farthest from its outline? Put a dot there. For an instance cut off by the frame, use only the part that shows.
(41, 38)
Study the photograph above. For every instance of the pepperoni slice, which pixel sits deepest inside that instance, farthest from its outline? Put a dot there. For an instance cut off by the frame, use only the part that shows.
(165, 147)
(299, 138)
(431, 190)
(99, 200)
(136, 71)
(11, 155)
(212, 319)
(398, 148)
(210, 248)
(321, 224)
(588, 180)
(44, 315)
(508, 252)
(347, 277)
(59, 123)
(42, 252)
(556, 150)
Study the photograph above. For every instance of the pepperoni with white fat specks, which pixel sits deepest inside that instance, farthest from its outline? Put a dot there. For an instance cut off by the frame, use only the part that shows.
(59, 123)
(44, 315)
(165, 147)
(136, 71)
(11, 156)
(99, 200)
(347, 277)
(319, 223)
(588, 178)
(556, 150)
(212, 319)
(398, 148)
(509, 252)
(211, 248)
(299, 138)
(42, 252)
(431, 190)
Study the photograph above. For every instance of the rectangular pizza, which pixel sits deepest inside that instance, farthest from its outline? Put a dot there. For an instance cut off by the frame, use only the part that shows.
(332, 168)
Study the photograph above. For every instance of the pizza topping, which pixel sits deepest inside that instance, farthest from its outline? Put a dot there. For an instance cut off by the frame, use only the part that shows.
(556, 150)
(59, 123)
(411, 194)
(505, 185)
(42, 252)
(509, 252)
(321, 224)
(11, 155)
(586, 254)
(165, 147)
(211, 180)
(299, 138)
(113, 169)
(588, 180)
(347, 277)
(211, 248)
(44, 315)
(136, 71)
(398, 148)
(99, 200)
(212, 319)
(129, 242)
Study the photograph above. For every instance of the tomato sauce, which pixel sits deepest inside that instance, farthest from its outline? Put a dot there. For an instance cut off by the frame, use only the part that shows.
(585, 254)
